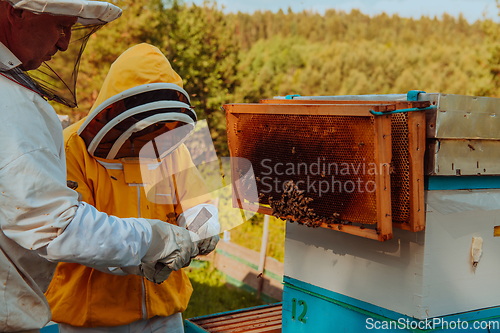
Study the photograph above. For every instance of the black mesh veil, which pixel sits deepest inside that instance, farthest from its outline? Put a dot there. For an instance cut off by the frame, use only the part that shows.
(56, 80)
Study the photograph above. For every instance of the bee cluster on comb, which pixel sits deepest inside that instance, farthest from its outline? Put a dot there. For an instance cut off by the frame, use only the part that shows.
(293, 205)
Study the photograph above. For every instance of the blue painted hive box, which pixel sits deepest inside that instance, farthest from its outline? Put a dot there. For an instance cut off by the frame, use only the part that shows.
(442, 278)
(435, 270)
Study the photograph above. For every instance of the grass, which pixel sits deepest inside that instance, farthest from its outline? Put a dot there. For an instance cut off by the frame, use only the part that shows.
(247, 231)
(249, 235)
(211, 292)
(212, 295)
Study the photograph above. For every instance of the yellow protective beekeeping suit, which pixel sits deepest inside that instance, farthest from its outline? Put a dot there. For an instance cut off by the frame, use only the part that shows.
(82, 296)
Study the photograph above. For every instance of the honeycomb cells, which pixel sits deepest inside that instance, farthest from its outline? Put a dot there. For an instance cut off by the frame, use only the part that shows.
(331, 158)
(400, 175)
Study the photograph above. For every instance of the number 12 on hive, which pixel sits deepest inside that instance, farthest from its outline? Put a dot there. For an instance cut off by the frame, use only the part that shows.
(302, 315)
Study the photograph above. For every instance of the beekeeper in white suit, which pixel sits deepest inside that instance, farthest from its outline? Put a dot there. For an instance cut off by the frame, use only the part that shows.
(41, 220)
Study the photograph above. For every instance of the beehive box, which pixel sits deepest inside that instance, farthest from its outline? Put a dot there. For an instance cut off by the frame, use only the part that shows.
(261, 319)
(462, 131)
(345, 282)
(361, 174)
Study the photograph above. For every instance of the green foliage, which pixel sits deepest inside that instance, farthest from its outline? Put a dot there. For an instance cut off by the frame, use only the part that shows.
(228, 58)
(211, 294)
(141, 22)
(249, 235)
(354, 26)
(195, 39)
(283, 66)
(198, 41)
(491, 85)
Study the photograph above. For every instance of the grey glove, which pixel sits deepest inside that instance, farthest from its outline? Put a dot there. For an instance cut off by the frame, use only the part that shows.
(155, 273)
(171, 249)
(207, 245)
(203, 223)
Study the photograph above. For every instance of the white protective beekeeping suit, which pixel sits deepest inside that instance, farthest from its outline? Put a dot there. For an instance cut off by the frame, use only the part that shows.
(41, 220)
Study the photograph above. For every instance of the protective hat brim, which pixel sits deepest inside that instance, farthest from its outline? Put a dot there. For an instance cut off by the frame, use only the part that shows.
(88, 12)
(121, 125)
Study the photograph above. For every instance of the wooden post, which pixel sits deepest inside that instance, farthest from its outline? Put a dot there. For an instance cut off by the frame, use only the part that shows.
(383, 156)
(416, 143)
(263, 252)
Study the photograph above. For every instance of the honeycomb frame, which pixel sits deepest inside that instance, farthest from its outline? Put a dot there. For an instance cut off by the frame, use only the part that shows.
(408, 149)
(277, 119)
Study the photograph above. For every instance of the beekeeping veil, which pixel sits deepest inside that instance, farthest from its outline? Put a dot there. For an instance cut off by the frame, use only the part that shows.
(124, 123)
(141, 99)
(56, 80)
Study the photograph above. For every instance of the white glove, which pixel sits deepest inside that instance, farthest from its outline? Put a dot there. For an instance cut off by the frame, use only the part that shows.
(171, 249)
(202, 221)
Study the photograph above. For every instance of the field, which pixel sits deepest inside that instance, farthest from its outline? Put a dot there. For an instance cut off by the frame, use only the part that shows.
(211, 294)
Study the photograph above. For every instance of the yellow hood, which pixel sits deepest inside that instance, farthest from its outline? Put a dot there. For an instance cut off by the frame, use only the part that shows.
(139, 65)
(141, 99)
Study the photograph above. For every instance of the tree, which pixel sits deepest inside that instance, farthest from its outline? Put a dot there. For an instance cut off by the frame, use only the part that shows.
(202, 46)
(198, 41)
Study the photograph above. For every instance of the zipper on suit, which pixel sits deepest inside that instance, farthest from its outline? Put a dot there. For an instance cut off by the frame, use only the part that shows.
(144, 308)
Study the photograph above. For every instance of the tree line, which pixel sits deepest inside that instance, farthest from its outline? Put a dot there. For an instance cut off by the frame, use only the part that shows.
(236, 58)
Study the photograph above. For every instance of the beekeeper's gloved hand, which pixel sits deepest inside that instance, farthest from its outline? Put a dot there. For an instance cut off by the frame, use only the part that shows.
(202, 221)
(171, 249)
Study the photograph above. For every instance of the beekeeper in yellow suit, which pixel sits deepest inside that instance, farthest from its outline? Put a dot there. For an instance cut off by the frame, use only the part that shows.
(140, 101)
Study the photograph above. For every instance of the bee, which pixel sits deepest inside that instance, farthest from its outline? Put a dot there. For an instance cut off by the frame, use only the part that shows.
(293, 150)
(74, 185)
